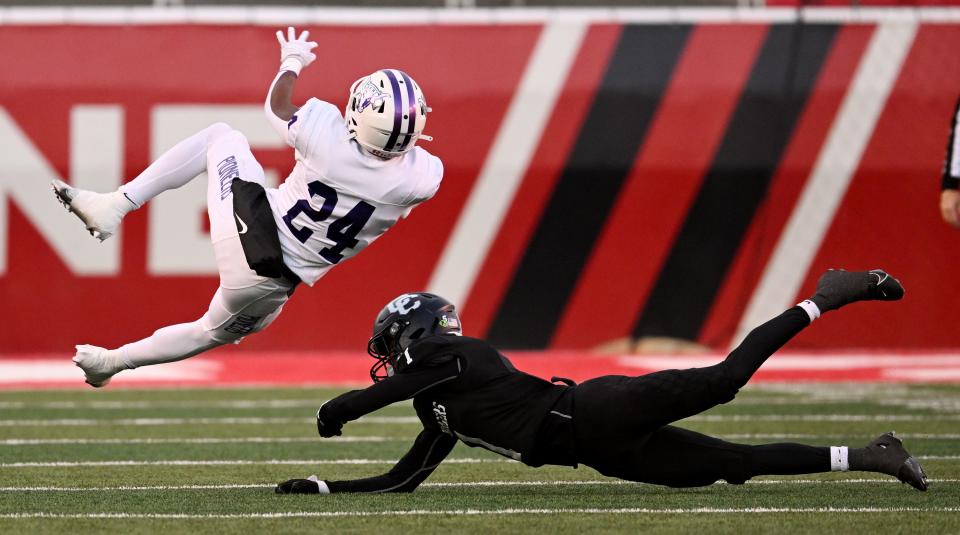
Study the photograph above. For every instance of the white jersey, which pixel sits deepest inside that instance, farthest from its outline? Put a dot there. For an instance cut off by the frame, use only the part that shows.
(339, 199)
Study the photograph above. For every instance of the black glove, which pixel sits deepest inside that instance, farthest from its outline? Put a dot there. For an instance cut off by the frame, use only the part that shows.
(327, 426)
(311, 485)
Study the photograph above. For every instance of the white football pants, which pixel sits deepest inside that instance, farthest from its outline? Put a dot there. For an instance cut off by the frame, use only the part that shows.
(245, 302)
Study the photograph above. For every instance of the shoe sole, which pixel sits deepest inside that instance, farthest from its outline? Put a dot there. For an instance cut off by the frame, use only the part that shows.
(915, 476)
(59, 190)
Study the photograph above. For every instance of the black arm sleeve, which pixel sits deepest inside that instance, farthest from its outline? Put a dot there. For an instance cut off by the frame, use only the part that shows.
(356, 403)
(948, 180)
(429, 450)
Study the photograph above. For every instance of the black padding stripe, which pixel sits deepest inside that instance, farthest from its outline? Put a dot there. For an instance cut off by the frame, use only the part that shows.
(638, 73)
(762, 124)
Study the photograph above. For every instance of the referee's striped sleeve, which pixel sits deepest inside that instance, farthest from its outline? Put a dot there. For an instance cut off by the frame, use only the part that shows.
(951, 164)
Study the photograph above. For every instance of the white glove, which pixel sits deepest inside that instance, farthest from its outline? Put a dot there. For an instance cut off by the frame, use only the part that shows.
(295, 52)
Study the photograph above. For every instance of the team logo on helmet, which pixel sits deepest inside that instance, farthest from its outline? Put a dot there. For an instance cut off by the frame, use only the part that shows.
(447, 322)
(368, 94)
(404, 304)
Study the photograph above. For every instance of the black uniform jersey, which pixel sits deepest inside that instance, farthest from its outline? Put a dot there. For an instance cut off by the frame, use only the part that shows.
(462, 388)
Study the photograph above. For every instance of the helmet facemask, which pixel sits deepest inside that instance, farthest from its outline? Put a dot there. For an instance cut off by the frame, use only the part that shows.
(403, 321)
(384, 346)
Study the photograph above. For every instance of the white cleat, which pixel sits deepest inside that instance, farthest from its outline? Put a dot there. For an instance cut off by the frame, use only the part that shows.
(100, 212)
(98, 364)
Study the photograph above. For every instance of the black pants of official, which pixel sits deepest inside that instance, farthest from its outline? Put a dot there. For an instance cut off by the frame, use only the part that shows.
(622, 423)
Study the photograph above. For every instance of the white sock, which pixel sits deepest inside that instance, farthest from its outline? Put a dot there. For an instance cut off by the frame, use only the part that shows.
(810, 308)
(169, 344)
(173, 168)
(321, 484)
(839, 459)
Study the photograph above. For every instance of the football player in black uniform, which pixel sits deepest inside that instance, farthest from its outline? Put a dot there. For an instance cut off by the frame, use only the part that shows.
(463, 389)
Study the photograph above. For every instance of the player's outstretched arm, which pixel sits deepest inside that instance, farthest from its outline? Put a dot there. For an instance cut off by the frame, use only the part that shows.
(295, 54)
(412, 381)
(429, 450)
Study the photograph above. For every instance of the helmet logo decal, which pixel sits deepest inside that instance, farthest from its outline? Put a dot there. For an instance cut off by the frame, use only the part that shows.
(369, 95)
(404, 304)
(447, 322)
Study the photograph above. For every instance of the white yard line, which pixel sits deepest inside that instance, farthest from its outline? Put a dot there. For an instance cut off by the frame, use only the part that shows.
(167, 404)
(197, 440)
(227, 462)
(67, 422)
(402, 420)
(250, 462)
(459, 484)
(177, 404)
(492, 512)
(824, 418)
(353, 439)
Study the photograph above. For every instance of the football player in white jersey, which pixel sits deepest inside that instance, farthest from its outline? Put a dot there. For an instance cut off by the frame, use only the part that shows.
(355, 175)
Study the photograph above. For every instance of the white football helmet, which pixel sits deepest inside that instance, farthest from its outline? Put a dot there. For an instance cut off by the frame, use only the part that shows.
(386, 113)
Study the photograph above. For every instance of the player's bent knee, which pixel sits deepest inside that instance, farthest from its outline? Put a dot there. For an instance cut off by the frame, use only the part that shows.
(216, 131)
(231, 138)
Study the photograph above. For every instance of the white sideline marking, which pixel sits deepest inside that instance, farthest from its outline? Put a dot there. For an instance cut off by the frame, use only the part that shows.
(513, 147)
(831, 175)
(232, 462)
(351, 439)
(484, 512)
(459, 484)
(802, 362)
(63, 370)
(923, 374)
(208, 440)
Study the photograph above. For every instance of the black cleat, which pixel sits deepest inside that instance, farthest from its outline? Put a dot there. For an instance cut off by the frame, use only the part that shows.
(837, 287)
(886, 454)
(299, 486)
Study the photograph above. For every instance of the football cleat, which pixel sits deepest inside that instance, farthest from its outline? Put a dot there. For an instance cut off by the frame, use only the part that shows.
(887, 455)
(838, 287)
(98, 364)
(100, 212)
(311, 485)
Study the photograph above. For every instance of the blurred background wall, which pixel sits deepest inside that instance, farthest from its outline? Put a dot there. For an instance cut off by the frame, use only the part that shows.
(612, 175)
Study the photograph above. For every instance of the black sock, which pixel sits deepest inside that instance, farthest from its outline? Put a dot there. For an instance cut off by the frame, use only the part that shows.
(788, 459)
(762, 342)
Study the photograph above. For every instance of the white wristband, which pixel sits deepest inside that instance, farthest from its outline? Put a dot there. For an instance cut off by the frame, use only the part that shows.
(291, 64)
(321, 484)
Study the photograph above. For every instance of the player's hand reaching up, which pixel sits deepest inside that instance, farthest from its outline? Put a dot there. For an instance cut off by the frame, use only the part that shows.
(295, 52)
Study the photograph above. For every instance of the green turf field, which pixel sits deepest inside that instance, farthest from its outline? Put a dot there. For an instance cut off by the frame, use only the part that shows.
(206, 461)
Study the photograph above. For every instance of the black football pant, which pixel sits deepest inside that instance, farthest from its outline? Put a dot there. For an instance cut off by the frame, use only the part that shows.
(622, 422)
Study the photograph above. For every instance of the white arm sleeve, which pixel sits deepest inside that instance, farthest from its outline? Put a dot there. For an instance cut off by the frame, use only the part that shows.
(278, 124)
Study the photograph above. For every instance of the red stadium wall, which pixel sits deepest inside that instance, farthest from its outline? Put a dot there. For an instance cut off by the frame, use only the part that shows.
(665, 187)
